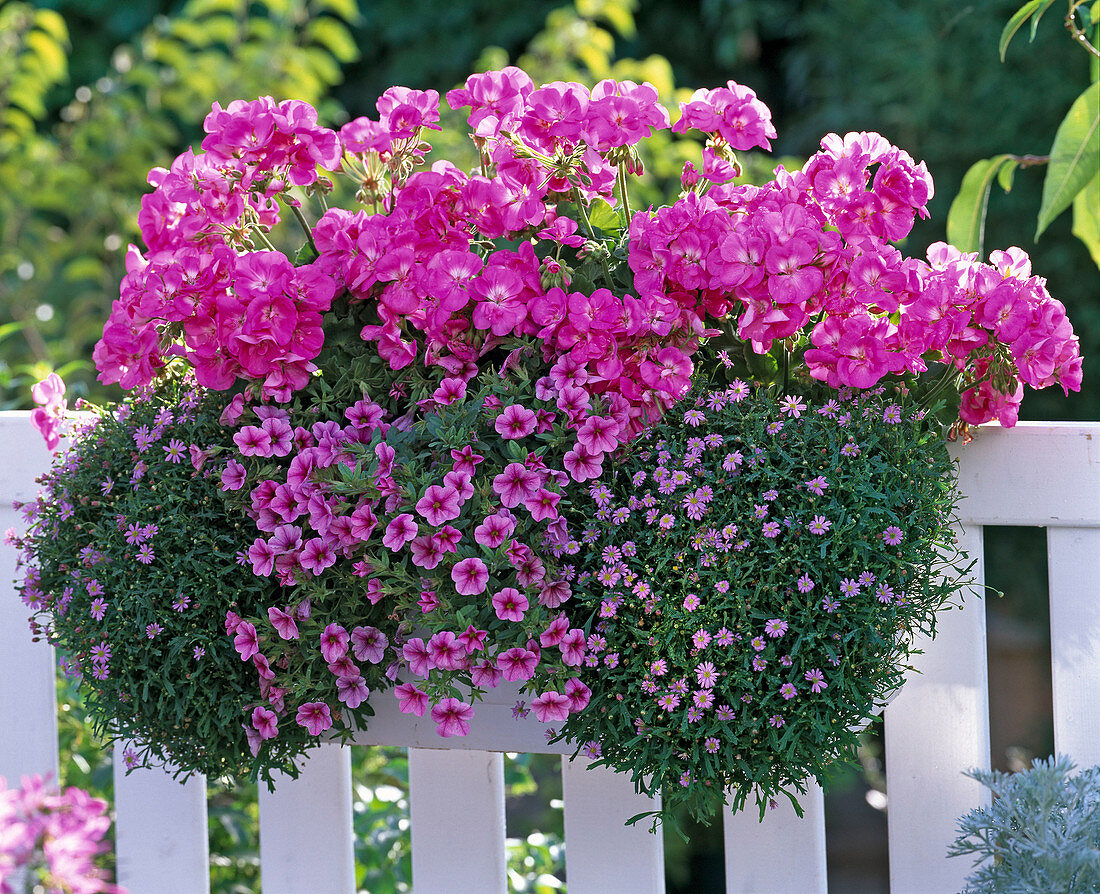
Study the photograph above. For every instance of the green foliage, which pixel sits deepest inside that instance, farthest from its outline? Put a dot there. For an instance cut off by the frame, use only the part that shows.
(1041, 834)
(779, 547)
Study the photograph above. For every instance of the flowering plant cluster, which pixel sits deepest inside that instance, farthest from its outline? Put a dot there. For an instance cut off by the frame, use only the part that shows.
(756, 569)
(52, 838)
(132, 563)
(420, 399)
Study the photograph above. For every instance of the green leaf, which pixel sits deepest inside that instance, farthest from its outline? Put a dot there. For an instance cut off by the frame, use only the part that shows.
(1086, 217)
(966, 217)
(1016, 22)
(1006, 173)
(1074, 157)
(604, 216)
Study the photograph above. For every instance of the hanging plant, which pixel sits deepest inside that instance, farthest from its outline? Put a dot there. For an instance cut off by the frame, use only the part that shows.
(757, 569)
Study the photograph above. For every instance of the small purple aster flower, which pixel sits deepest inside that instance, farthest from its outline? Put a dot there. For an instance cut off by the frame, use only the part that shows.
(775, 628)
(153, 630)
(788, 691)
(706, 674)
(724, 712)
(776, 721)
(692, 602)
(175, 450)
(892, 535)
(817, 485)
(791, 406)
(694, 418)
(771, 529)
(819, 525)
(816, 679)
(711, 745)
(849, 587)
(198, 652)
(850, 449)
(145, 555)
(805, 584)
(694, 715)
(759, 663)
(668, 701)
(659, 667)
(98, 609)
(830, 605)
(892, 414)
(758, 643)
(700, 639)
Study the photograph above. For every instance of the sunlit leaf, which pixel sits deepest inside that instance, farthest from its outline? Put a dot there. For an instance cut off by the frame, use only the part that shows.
(966, 217)
(1074, 157)
(1086, 218)
(1032, 7)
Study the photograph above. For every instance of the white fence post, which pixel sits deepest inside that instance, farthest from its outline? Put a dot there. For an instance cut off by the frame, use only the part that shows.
(160, 831)
(936, 728)
(598, 802)
(305, 827)
(1074, 571)
(781, 855)
(456, 811)
(28, 698)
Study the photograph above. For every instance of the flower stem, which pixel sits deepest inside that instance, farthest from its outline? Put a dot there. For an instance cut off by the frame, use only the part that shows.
(623, 193)
(588, 228)
(303, 223)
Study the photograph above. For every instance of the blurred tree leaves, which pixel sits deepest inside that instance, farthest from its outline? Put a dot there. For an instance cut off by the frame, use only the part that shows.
(72, 173)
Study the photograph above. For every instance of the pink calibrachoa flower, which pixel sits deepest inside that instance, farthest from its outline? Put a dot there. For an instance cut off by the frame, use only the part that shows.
(439, 505)
(315, 717)
(412, 700)
(246, 642)
(265, 722)
(352, 691)
(283, 622)
(517, 663)
(510, 604)
(470, 576)
(515, 422)
(334, 643)
(452, 717)
(551, 706)
(368, 644)
(399, 532)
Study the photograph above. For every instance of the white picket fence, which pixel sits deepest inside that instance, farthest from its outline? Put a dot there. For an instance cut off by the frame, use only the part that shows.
(1035, 474)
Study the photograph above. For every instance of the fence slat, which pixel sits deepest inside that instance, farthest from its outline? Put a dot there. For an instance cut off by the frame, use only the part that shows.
(456, 811)
(937, 727)
(1074, 563)
(597, 804)
(160, 831)
(305, 827)
(781, 855)
(29, 746)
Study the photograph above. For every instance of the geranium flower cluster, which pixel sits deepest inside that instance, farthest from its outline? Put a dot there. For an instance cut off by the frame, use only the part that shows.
(807, 258)
(756, 573)
(54, 837)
